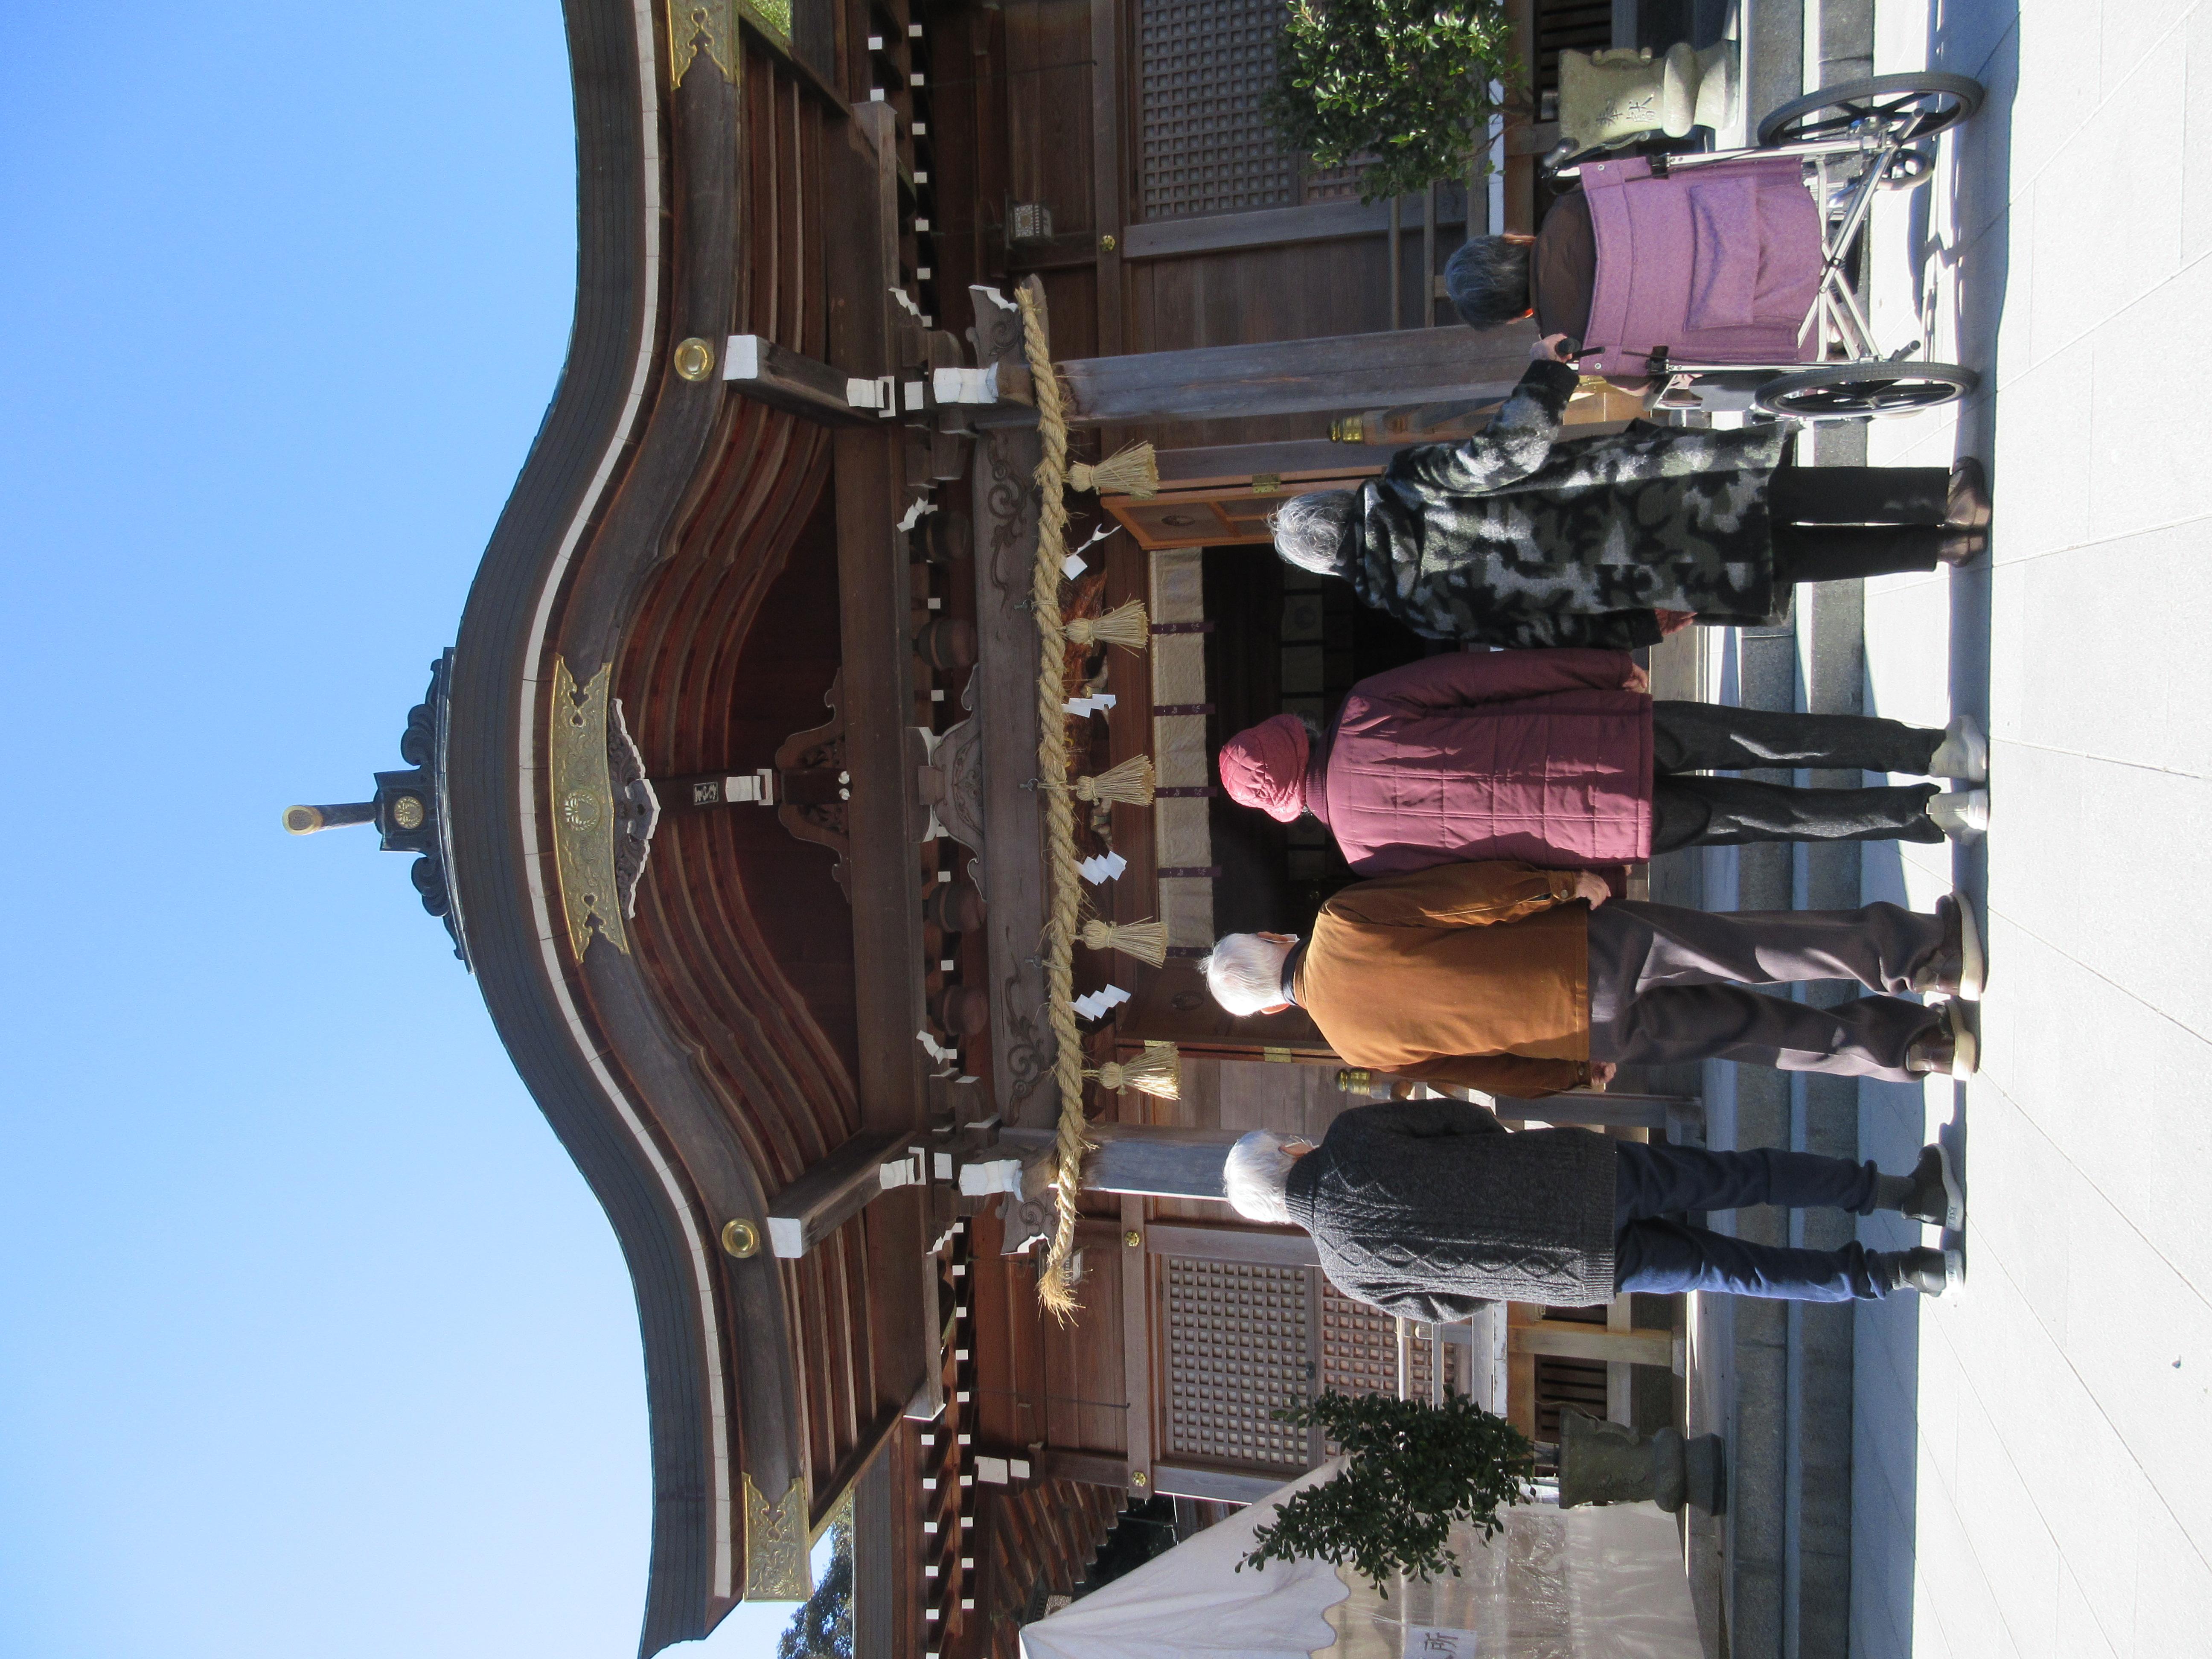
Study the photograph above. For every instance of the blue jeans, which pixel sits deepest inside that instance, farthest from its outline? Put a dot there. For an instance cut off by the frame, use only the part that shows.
(1650, 1254)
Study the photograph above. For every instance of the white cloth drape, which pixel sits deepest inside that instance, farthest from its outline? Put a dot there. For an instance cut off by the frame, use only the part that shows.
(1587, 1584)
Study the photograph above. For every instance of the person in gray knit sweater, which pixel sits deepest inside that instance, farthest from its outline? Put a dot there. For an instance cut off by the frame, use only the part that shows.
(1428, 1209)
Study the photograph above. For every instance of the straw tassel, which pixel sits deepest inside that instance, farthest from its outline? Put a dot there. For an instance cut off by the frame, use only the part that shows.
(1125, 625)
(1130, 783)
(1158, 1071)
(1146, 941)
(1130, 472)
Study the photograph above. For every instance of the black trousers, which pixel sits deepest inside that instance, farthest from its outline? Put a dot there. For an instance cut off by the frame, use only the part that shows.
(1689, 811)
(1651, 1253)
(1835, 524)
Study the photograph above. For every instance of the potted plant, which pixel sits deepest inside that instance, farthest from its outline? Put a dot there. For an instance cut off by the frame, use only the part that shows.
(1405, 85)
(1412, 1469)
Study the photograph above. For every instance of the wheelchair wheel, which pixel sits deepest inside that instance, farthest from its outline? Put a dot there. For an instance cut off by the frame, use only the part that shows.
(1857, 392)
(1912, 106)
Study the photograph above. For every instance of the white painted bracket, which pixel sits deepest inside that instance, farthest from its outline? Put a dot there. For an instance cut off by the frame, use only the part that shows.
(880, 394)
(757, 786)
(965, 385)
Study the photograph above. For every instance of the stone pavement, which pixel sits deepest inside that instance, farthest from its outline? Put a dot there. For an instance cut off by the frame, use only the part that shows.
(2033, 1463)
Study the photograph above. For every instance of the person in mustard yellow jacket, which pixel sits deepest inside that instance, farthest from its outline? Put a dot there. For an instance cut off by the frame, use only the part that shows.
(1523, 982)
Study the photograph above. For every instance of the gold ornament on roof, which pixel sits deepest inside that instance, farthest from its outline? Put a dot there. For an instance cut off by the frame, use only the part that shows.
(693, 24)
(584, 811)
(695, 358)
(776, 1567)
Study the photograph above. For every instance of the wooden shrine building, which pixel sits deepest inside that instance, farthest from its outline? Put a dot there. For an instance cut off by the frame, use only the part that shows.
(724, 790)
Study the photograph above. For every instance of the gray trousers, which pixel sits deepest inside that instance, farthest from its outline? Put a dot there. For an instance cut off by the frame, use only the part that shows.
(1666, 985)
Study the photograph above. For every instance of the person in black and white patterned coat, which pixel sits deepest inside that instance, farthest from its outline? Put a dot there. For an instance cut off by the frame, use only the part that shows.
(1520, 538)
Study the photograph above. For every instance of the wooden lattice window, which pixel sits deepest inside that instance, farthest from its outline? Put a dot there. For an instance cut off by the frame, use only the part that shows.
(1359, 1352)
(1239, 1340)
(1358, 1346)
(1203, 67)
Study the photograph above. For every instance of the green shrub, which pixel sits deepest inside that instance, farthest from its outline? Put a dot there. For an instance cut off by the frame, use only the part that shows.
(1410, 1470)
(1408, 81)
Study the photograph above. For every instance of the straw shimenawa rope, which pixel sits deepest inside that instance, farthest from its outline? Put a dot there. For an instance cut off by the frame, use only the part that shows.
(1130, 783)
(1125, 625)
(1146, 941)
(1131, 471)
(1063, 891)
(1158, 1071)
(1134, 472)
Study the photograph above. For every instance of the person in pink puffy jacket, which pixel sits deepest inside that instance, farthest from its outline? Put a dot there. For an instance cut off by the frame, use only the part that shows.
(1560, 758)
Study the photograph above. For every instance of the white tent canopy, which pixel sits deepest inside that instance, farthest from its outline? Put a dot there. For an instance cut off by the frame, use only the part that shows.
(1585, 1583)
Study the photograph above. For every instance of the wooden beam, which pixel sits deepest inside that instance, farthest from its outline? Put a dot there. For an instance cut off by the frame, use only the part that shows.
(1090, 1467)
(1218, 233)
(859, 257)
(1289, 460)
(1136, 1268)
(832, 1193)
(1520, 1368)
(1220, 1485)
(1108, 213)
(1488, 1358)
(783, 379)
(1003, 508)
(1567, 1338)
(1620, 1379)
(927, 1403)
(1285, 1248)
(884, 874)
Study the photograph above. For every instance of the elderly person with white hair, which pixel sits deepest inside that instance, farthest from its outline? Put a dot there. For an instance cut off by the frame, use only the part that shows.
(1428, 1209)
(1524, 982)
(1524, 536)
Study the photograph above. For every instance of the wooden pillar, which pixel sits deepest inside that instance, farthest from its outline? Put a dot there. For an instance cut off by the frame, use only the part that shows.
(1145, 1160)
(1294, 377)
(1282, 377)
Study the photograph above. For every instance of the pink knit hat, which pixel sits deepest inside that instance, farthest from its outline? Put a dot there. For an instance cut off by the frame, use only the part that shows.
(1265, 766)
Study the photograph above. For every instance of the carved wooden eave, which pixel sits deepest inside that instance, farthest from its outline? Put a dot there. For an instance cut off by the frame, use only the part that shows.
(554, 837)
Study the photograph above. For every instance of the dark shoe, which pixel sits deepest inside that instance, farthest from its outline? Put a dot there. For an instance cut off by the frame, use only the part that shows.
(1931, 1273)
(1959, 546)
(1952, 1048)
(1932, 1193)
(1959, 968)
(1968, 505)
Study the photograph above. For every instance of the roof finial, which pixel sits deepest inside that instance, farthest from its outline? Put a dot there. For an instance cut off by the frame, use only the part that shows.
(306, 820)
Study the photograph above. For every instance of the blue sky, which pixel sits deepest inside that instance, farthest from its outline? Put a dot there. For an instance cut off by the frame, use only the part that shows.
(311, 1341)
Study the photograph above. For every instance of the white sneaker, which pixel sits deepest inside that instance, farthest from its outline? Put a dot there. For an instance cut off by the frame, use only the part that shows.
(1963, 815)
(1963, 757)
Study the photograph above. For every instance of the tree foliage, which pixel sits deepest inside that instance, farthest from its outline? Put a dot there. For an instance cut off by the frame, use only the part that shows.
(823, 1626)
(1410, 1470)
(1408, 81)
